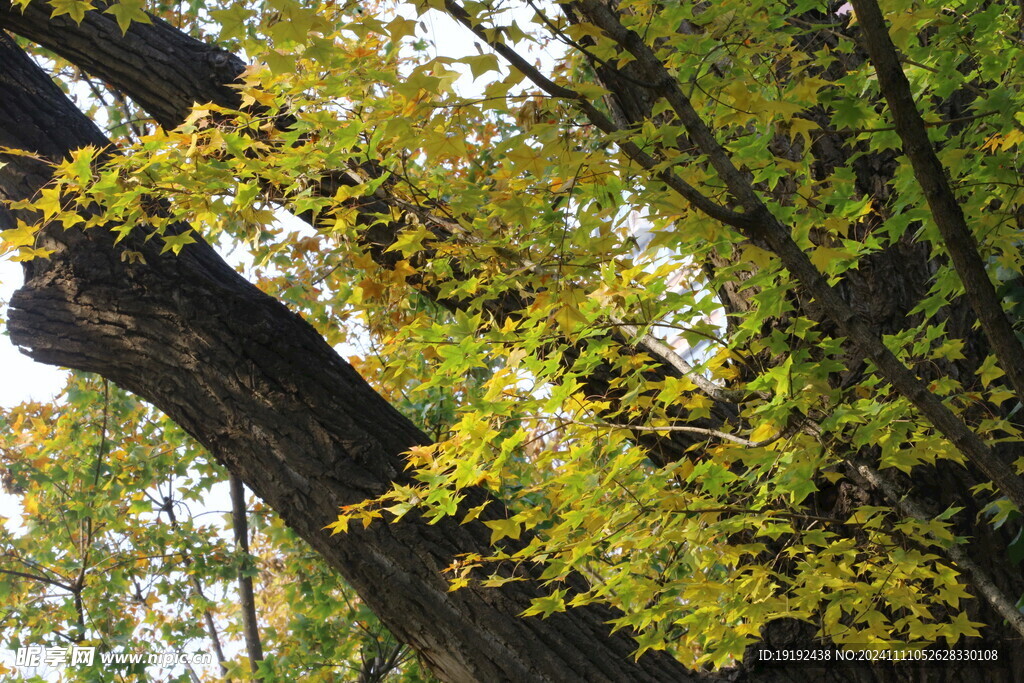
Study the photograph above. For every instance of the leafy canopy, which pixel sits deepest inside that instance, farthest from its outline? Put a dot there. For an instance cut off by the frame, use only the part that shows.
(527, 252)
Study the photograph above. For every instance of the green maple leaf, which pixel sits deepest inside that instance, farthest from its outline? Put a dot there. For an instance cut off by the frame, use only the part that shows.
(128, 11)
(76, 9)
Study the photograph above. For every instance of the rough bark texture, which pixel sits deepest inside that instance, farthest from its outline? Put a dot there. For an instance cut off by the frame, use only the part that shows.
(881, 292)
(263, 392)
(945, 209)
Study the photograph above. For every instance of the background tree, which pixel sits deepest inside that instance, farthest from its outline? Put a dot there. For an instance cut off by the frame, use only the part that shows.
(831, 468)
(119, 553)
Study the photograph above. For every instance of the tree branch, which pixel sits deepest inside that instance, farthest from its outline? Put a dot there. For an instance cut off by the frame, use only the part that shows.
(945, 209)
(762, 227)
(36, 577)
(1002, 603)
(255, 384)
(667, 354)
(697, 199)
(135, 63)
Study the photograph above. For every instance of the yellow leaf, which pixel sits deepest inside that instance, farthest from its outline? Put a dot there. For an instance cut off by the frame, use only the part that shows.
(765, 431)
(989, 371)
(400, 27)
(827, 259)
(22, 236)
(504, 528)
(49, 202)
(76, 9)
(402, 270)
(411, 241)
(127, 11)
(31, 505)
(232, 21)
(473, 513)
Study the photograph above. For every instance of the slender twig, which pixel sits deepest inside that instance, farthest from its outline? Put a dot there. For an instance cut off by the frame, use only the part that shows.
(735, 509)
(667, 354)
(927, 124)
(211, 627)
(1004, 604)
(36, 577)
(691, 194)
(193, 676)
(197, 586)
(676, 428)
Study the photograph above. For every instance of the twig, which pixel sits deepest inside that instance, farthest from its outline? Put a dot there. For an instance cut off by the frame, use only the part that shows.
(669, 356)
(41, 579)
(762, 227)
(1000, 602)
(681, 428)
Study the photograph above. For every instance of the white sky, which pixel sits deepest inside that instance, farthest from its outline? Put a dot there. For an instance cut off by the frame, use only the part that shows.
(21, 378)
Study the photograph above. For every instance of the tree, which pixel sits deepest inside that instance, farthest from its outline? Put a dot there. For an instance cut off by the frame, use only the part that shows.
(840, 465)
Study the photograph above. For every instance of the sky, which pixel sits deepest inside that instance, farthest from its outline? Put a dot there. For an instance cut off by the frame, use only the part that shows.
(21, 378)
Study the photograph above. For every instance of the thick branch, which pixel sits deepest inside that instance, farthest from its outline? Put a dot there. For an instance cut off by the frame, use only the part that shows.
(1003, 604)
(945, 209)
(211, 626)
(246, 597)
(698, 200)
(762, 227)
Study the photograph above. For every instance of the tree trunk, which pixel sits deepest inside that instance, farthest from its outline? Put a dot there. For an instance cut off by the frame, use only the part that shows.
(256, 385)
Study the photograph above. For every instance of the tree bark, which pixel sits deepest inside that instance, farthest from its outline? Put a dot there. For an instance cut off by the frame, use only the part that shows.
(949, 217)
(256, 385)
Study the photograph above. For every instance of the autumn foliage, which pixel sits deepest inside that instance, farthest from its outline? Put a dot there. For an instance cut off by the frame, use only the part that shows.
(720, 301)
